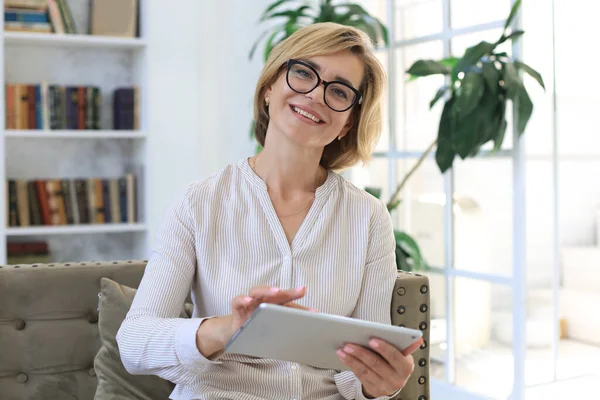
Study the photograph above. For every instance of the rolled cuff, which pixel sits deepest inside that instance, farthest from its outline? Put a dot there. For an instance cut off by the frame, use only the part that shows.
(185, 343)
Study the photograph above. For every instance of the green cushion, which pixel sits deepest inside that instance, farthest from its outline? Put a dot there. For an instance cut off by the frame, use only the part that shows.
(114, 382)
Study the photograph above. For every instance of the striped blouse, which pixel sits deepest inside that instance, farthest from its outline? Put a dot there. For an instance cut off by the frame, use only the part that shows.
(221, 237)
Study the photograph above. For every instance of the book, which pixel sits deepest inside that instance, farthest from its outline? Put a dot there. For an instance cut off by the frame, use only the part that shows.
(72, 201)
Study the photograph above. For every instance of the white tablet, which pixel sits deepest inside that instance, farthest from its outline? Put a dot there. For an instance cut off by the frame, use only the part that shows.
(310, 338)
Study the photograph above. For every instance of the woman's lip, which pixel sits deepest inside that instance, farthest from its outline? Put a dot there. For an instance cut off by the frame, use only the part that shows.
(308, 110)
(303, 118)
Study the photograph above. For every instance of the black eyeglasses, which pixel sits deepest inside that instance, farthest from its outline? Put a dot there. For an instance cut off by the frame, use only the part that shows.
(302, 78)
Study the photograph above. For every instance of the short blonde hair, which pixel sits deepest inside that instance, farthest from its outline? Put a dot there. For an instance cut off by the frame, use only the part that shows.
(323, 39)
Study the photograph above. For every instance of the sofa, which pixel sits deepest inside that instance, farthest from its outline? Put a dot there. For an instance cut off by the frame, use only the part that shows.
(49, 334)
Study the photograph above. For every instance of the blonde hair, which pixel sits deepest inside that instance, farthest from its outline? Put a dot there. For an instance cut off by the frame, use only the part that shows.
(323, 39)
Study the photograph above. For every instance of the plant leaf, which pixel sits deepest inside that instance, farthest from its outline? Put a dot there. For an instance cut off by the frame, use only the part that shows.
(473, 55)
(428, 67)
(468, 95)
(271, 42)
(491, 76)
(533, 73)
(271, 8)
(512, 81)
(514, 35)
(402, 263)
(513, 12)
(441, 92)
(524, 110)
(391, 207)
(444, 154)
(291, 14)
(384, 33)
(515, 90)
(411, 248)
(369, 29)
(376, 192)
(500, 135)
(255, 44)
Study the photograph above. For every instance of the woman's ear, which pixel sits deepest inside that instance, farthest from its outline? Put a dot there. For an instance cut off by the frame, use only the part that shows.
(268, 96)
(349, 124)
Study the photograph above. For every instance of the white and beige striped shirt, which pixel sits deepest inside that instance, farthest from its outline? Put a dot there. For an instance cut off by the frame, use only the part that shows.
(220, 238)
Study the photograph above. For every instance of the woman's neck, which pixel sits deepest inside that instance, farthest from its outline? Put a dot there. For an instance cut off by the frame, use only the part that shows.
(289, 169)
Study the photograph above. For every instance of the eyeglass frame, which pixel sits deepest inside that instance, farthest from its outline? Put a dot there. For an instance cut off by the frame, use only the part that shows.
(358, 99)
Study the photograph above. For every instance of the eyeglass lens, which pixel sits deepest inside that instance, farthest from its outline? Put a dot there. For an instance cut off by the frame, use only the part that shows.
(303, 79)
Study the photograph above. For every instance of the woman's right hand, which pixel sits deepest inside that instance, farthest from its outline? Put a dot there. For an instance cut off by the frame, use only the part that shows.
(243, 306)
(214, 333)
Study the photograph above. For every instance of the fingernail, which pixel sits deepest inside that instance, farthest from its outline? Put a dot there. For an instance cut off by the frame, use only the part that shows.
(247, 300)
(348, 349)
(374, 344)
(341, 354)
(275, 290)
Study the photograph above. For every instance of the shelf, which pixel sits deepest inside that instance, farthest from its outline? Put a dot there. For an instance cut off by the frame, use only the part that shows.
(74, 134)
(74, 229)
(71, 40)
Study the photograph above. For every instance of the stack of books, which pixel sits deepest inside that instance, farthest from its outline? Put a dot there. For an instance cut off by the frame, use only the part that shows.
(42, 16)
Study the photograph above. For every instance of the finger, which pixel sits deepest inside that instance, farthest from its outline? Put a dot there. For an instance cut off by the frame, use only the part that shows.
(413, 347)
(277, 295)
(372, 360)
(399, 362)
(370, 380)
(243, 304)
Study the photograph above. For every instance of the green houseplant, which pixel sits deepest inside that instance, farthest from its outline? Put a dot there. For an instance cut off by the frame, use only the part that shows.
(479, 85)
(291, 15)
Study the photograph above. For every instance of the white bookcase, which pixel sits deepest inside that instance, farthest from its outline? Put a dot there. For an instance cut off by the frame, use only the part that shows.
(81, 59)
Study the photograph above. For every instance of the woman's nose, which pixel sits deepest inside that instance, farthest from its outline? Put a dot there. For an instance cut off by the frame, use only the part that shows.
(317, 95)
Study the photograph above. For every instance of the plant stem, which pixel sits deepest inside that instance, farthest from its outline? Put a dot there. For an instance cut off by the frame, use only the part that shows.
(394, 198)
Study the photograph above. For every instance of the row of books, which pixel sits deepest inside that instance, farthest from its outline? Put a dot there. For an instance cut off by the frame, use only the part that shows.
(71, 201)
(45, 106)
(42, 16)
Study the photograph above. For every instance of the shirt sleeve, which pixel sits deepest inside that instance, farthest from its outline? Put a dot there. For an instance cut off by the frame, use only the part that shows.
(153, 339)
(376, 292)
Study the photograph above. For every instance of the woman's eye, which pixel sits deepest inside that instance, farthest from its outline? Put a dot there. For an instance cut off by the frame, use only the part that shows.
(304, 73)
(340, 93)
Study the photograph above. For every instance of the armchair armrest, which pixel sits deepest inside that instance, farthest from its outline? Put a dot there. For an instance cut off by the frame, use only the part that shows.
(410, 308)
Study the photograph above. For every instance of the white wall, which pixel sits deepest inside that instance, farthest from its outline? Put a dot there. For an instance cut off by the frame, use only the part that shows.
(202, 85)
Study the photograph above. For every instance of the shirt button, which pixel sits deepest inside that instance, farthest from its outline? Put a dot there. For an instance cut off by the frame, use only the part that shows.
(294, 368)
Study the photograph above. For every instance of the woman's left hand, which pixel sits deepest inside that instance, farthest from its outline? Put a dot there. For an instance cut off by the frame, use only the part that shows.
(383, 369)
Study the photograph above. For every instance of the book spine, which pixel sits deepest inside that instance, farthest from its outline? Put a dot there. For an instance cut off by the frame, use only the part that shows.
(106, 200)
(10, 106)
(13, 213)
(81, 107)
(97, 98)
(39, 119)
(34, 204)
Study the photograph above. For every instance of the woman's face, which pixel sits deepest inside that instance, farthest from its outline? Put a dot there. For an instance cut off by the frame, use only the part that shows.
(306, 119)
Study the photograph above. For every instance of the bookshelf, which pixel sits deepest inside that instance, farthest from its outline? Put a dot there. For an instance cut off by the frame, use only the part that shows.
(72, 40)
(74, 134)
(78, 59)
(75, 230)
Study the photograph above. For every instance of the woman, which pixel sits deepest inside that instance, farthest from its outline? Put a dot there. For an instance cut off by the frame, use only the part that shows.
(280, 227)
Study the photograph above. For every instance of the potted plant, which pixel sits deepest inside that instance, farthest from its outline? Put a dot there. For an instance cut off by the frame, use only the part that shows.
(479, 86)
